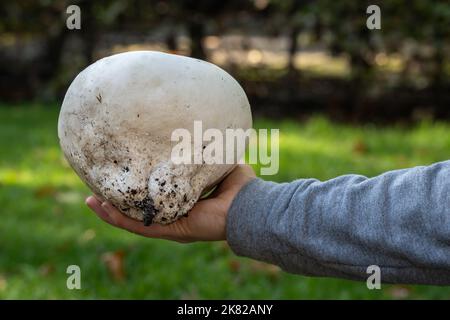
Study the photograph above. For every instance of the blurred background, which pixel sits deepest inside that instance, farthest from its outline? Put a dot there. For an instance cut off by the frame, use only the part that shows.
(345, 98)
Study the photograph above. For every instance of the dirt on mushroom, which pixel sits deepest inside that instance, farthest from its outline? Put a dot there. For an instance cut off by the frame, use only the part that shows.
(116, 123)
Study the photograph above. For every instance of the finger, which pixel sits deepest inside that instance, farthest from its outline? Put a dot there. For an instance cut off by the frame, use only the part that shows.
(96, 206)
(121, 221)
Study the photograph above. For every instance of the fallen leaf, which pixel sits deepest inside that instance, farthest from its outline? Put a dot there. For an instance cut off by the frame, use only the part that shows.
(114, 262)
(234, 265)
(400, 292)
(46, 269)
(359, 147)
(266, 268)
(87, 236)
(45, 191)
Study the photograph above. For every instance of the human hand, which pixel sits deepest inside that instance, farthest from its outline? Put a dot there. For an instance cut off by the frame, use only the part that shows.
(206, 220)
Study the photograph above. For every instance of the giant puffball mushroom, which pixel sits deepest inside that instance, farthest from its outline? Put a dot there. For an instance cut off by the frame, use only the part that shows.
(116, 122)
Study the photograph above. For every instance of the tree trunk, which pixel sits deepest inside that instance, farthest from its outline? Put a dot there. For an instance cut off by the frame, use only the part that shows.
(293, 48)
(196, 31)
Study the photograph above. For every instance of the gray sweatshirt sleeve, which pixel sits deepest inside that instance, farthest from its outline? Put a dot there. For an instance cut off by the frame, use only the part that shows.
(399, 221)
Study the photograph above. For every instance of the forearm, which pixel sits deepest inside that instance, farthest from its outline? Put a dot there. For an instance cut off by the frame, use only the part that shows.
(399, 221)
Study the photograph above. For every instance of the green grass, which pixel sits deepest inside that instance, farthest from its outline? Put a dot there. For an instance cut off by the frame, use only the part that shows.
(45, 225)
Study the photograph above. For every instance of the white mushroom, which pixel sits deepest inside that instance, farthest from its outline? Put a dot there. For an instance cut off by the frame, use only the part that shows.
(116, 123)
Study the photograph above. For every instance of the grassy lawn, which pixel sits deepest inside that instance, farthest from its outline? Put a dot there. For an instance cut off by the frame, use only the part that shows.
(45, 225)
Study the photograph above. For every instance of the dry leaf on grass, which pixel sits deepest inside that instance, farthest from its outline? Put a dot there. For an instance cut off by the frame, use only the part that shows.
(234, 265)
(46, 269)
(359, 147)
(114, 262)
(400, 292)
(266, 268)
(45, 191)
